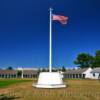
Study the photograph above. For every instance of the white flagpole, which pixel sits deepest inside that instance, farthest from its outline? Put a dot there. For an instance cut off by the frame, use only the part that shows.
(50, 42)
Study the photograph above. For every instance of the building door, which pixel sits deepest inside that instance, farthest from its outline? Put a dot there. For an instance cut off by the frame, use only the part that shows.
(83, 75)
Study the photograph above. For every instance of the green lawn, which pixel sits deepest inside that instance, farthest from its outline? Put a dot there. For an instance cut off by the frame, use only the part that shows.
(4, 83)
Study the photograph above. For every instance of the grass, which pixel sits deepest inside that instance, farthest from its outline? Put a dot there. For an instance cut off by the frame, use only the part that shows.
(7, 82)
(5, 97)
(77, 89)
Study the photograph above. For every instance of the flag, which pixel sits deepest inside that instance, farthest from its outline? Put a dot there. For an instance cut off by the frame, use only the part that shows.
(60, 18)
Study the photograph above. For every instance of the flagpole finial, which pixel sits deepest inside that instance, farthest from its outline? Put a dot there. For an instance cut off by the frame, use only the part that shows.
(50, 8)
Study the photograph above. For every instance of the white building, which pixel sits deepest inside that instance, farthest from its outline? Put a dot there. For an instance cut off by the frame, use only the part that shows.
(95, 73)
(78, 73)
(88, 73)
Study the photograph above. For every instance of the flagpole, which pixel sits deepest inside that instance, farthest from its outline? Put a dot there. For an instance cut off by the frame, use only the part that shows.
(50, 42)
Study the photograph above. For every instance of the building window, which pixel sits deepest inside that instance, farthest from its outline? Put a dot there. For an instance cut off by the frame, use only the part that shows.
(70, 75)
(73, 75)
(76, 75)
(94, 74)
(80, 76)
(5, 75)
(31, 76)
(2, 75)
(14, 75)
(26, 76)
(99, 74)
(66, 76)
(83, 75)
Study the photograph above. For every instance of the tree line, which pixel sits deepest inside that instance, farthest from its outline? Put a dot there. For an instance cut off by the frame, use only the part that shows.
(85, 60)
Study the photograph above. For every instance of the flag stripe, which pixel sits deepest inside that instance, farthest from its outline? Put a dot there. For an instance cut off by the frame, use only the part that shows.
(60, 18)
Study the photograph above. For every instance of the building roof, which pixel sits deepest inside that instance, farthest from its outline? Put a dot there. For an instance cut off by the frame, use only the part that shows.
(75, 71)
(8, 71)
(15, 72)
(30, 72)
(96, 70)
(22, 68)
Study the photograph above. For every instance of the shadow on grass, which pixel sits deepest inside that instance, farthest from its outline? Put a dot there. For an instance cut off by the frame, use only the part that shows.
(5, 97)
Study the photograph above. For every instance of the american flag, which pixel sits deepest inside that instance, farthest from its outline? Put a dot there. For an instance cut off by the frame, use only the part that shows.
(60, 18)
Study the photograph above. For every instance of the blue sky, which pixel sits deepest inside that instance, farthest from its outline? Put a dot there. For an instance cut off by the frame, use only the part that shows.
(24, 31)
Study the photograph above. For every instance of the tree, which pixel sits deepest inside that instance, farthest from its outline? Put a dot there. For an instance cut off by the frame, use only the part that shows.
(19, 73)
(9, 68)
(97, 59)
(54, 70)
(43, 70)
(39, 70)
(63, 69)
(84, 60)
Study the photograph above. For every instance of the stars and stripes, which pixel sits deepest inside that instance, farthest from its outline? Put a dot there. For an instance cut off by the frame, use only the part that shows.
(60, 18)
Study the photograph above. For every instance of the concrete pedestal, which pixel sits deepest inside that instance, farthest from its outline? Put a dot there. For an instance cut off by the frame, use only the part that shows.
(50, 80)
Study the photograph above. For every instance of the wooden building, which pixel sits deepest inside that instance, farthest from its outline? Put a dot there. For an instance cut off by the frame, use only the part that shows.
(8, 74)
(18, 73)
(78, 73)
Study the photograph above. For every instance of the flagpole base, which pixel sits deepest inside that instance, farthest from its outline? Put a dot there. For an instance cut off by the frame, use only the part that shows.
(49, 86)
(50, 80)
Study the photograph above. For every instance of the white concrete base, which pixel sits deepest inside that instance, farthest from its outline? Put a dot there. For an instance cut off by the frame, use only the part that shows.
(50, 80)
(49, 86)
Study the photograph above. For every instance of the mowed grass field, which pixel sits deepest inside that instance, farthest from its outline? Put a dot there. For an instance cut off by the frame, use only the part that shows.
(77, 89)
